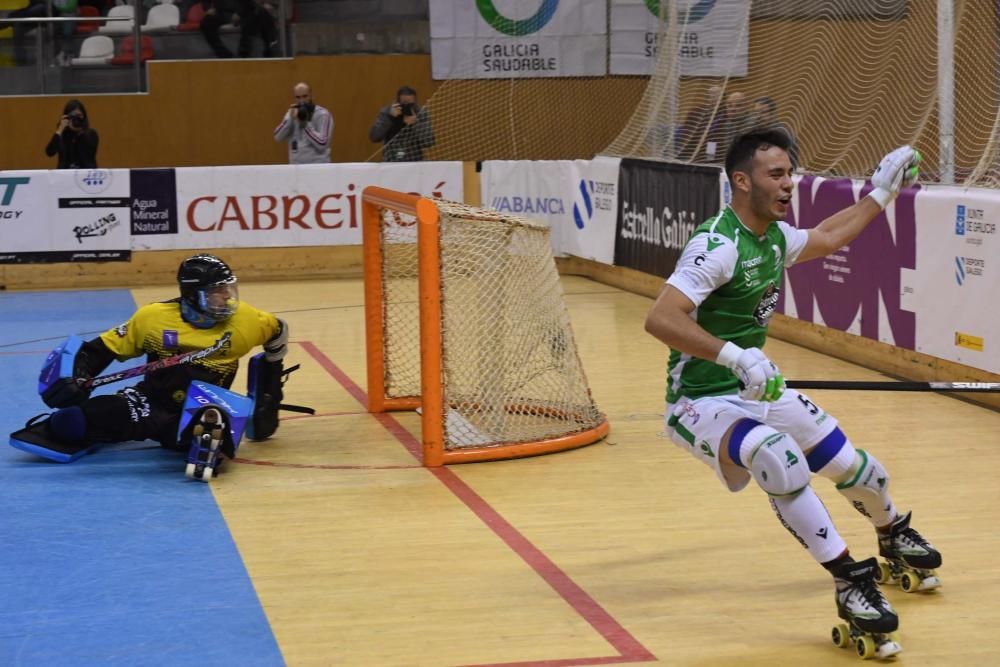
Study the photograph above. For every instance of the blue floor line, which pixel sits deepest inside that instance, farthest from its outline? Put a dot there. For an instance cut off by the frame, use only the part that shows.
(115, 559)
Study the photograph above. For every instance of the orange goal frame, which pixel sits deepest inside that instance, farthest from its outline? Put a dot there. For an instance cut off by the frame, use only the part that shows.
(431, 399)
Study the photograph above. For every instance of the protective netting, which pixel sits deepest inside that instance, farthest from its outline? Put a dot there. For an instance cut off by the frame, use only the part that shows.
(511, 372)
(850, 79)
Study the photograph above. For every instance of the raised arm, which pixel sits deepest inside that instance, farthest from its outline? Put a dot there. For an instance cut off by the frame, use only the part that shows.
(897, 170)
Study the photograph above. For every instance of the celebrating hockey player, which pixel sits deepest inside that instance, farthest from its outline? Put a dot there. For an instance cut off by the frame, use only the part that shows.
(193, 343)
(727, 403)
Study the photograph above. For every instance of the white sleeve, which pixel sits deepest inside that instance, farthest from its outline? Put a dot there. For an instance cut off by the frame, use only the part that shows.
(701, 270)
(795, 241)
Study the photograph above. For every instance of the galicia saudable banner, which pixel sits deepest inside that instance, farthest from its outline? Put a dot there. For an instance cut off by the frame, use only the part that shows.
(659, 205)
(501, 39)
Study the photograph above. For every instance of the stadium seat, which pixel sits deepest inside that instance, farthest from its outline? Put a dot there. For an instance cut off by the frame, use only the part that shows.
(126, 56)
(192, 21)
(162, 18)
(118, 27)
(87, 27)
(95, 50)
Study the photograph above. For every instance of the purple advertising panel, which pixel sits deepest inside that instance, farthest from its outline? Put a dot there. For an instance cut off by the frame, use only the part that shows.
(856, 289)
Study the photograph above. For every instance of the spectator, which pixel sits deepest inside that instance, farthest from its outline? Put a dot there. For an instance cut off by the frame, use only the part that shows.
(307, 127)
(34, 10)
(405, 128)
(254, 19)
(700, 127)
(736, 120)
(74, 140)
(218, 14)
(765, 116)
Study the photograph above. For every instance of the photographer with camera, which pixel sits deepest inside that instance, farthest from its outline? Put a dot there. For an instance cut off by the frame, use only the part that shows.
(405, 127)
(74, 140)
(307, 127)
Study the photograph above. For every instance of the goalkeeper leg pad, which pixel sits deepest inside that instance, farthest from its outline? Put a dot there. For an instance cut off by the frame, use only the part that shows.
(264, 386)
(56, 437)
(234, 409)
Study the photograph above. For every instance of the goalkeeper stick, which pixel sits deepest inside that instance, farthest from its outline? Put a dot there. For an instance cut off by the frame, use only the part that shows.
(159, 364)
(977, 387)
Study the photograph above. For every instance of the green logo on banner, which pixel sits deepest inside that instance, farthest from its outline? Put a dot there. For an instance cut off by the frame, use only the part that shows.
(516, 28)
(697, 12)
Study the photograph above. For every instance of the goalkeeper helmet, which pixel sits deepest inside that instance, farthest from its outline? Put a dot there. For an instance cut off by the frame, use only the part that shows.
(208, 288)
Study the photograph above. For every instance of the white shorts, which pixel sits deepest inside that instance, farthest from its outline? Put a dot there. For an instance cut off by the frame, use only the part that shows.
(703, 422)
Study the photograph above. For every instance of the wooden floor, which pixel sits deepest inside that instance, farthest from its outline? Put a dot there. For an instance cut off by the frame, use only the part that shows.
(627, 551)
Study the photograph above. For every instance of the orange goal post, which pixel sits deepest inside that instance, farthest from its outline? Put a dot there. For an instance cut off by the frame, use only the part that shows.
(465, 322)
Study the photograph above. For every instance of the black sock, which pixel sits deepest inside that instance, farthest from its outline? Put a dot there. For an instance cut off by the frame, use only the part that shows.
(832, 565)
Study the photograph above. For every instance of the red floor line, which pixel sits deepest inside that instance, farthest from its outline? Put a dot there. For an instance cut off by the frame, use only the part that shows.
(629, 648)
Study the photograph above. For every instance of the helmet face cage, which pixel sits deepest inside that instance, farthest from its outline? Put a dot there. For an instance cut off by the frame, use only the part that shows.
(219, 301)
(208, 286)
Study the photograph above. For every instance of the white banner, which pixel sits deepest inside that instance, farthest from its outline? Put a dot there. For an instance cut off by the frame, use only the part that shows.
(491, 39)
(577, 199)
(954, 287)
(591, 234)
(65, 215)
(713, 42)
(285, 205)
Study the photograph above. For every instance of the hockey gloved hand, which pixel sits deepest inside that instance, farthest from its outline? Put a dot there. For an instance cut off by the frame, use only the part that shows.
(897, 170)
(759, 378)
(65, 392)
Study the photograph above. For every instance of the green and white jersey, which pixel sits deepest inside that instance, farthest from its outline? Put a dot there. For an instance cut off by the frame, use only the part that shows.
(733, 277)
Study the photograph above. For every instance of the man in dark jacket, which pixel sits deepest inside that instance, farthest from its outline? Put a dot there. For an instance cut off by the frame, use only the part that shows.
(404, 127)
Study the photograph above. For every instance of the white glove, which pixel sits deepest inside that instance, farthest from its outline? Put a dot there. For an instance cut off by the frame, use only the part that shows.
(759, 378)
(897, 170)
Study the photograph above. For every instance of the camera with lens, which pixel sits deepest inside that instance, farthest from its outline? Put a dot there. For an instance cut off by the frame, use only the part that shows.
(407, 109)
(76, 121)
(305, 110)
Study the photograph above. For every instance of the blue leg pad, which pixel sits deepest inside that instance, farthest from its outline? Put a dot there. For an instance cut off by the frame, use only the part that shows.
(36, 438)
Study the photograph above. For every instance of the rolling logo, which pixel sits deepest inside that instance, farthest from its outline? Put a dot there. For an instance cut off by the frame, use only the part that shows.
(514, 27)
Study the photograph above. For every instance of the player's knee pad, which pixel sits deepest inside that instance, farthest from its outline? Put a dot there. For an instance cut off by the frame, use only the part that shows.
(867, 484)
(774, 459)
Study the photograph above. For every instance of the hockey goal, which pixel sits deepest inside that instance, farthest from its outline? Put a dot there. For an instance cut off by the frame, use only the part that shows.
(465, 322)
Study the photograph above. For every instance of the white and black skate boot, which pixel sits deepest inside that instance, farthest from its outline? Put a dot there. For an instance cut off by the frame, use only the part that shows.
(206, 440)
(870, 618)
(910, 559)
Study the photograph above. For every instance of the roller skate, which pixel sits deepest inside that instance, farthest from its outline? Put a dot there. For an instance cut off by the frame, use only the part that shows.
(206, 446)
(910, 560)
(871, 622)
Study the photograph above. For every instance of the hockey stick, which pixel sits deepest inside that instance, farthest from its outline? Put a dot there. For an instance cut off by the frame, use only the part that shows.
(970, 387)
(159, 364)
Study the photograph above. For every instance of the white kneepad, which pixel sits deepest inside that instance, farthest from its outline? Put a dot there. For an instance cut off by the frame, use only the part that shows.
(865, 478)
(778, 464)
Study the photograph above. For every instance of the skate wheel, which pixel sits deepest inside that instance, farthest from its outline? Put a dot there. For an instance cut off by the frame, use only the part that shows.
(841, 635)
(865, 646)
(884, 573)
(909, 582)
(189, 471)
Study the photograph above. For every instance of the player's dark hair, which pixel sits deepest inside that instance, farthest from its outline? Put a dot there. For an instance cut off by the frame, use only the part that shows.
(739, 157)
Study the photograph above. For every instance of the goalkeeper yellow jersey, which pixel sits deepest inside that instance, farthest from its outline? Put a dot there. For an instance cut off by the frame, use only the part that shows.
(158, 331)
